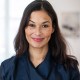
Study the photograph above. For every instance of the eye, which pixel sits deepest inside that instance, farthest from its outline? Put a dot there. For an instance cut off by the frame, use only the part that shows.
(45, 26)
(31, 25)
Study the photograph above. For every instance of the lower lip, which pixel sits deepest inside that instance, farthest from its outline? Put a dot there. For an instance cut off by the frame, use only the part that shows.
(38, 39)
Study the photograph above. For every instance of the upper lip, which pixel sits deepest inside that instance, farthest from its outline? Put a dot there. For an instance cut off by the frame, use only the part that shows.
(38, 39)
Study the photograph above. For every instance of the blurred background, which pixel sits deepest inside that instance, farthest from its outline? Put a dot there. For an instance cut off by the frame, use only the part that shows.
(68, 12)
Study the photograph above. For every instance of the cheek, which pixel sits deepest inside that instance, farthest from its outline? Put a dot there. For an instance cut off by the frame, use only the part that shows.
(27, 33)
(48, 34)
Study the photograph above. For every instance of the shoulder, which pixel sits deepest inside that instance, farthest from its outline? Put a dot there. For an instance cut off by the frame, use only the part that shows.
(71, 73)
(8, 62)
(7, 65)
(74, 72)
(73, 68)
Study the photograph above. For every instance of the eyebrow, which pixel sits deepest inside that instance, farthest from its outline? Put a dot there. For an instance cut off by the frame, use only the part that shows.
(42, 22)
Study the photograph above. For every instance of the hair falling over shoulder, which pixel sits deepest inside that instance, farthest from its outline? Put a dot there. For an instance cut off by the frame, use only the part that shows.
(57, 43)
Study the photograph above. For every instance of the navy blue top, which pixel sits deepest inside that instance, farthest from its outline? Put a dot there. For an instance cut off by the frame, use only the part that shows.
(21, 68)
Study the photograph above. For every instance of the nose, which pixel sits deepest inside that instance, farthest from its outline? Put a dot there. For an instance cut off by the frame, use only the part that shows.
(38, 31)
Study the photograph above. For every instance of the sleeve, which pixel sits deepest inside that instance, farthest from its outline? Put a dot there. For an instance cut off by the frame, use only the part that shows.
(75, 74)
(1, 73)
(6, 68)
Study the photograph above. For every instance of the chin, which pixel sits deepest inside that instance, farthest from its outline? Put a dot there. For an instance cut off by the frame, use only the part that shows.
(39, 46)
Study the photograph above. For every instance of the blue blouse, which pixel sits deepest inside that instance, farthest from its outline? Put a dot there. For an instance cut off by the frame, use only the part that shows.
(41, 72)
(21, 68)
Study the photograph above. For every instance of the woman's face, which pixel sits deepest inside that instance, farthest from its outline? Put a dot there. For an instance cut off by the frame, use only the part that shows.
(39, 29)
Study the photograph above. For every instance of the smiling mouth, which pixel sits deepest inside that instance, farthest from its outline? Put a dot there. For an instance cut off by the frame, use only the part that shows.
(38, 39)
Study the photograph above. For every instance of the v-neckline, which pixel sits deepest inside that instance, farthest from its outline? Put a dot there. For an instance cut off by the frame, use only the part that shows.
(44, 67)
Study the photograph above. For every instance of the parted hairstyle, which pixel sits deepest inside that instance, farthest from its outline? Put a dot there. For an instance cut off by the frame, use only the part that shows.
(57, 43)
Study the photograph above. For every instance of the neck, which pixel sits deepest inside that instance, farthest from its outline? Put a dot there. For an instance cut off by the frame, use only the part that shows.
(37, 55)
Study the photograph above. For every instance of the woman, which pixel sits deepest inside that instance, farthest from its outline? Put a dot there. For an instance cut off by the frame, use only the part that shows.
(40, 48)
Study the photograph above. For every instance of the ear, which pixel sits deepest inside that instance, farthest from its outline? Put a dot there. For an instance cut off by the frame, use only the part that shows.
(52, 30)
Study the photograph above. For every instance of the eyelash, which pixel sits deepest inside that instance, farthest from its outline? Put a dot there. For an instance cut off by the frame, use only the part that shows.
(31, 25)
(45, 26)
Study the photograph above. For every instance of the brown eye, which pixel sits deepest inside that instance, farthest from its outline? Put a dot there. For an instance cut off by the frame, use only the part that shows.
(31, 25)
(45, 26)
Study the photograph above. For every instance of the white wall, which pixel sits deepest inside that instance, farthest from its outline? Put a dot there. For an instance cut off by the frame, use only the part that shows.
(61, 6)
(10, 16)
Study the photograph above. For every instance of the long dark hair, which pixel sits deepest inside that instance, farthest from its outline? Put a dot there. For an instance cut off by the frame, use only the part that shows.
(57, 43)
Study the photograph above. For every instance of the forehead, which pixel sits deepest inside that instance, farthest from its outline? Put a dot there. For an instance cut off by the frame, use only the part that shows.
(39, 16)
